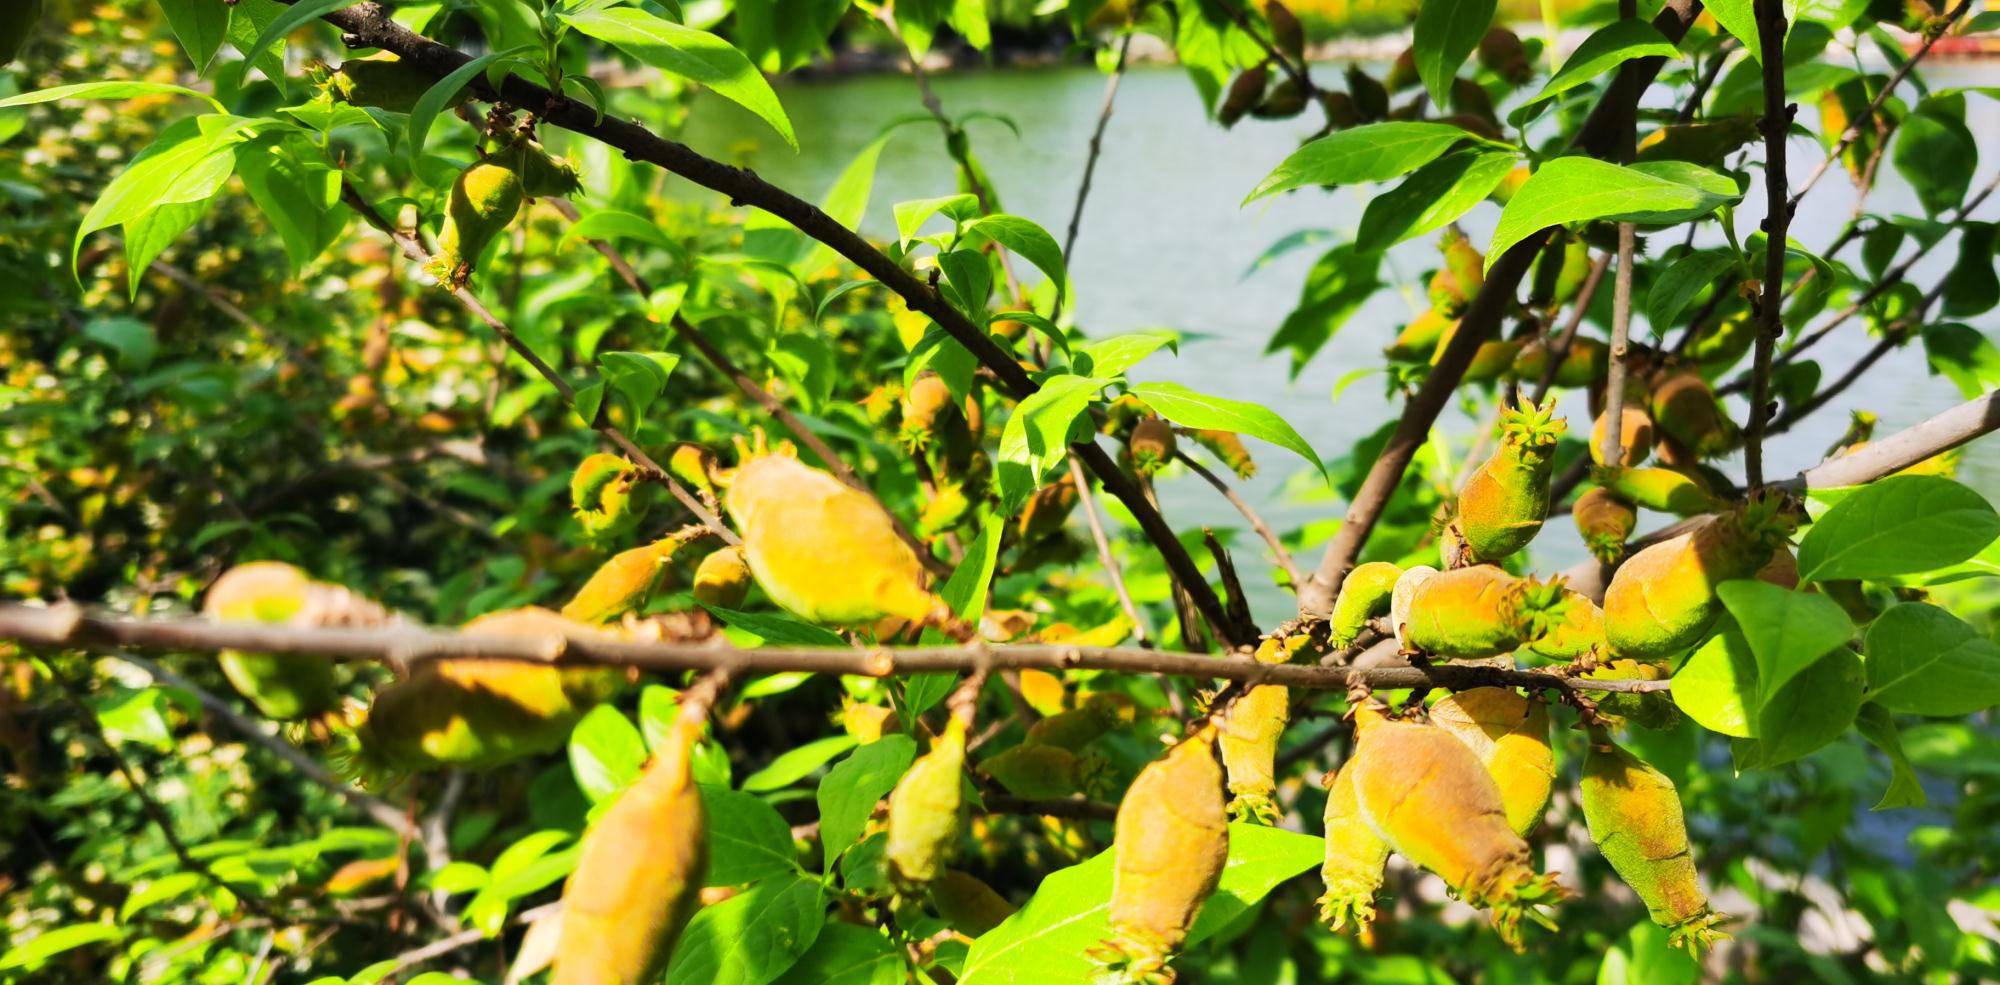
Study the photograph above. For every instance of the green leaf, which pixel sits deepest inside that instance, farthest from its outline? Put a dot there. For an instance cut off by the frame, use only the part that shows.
(1340, 281)
(1923, 660)
(291, 20)
(692, 54)
(911, 216)
(747, 839)
(300, 197)
(850, 790)
(605, 752)
(1582, 189)
(1936, 152)
(49, 943)
(846, 954)
(1971, 288)
(640, 376)
(1740, 19)
(965, 594)
(1682, 282)
(846, 201)
(1787, 631)
(1113, 356)
(106, 90)
(434, 99)
(1805, 715)
(200, 25)
(130, 338)
(1899, 525)
(752, 937)
(776, 629)
(168, 887)
(1045, 943)
(612, 225)
(189, 162)
(797, 763)
(1201, 411)
(1376, 152)
(1717, 686)
(1028, 241)
(1607, 48)
(1962, 354)
(1445, 33)
(1437, 193)
(1905, 790)
(1037, 435)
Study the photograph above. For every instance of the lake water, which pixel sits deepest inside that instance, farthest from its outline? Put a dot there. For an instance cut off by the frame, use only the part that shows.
(1165, 243)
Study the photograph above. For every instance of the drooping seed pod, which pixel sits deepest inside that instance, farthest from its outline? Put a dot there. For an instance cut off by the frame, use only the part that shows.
(1654, 710)
(1492, 360)
(1510, 735)
(638, 873)
(544, 175)
(1584, 364)
(1724, 342)
(694, 465)
(1503, 503)
(1037, 771)
(1573, 627)
(1046, 511)
(1662, 600)
(822, 550)
(483, 202)
(1501, 51)
(1659, 489)
(967, 903)
(1364, 594)
(1705, 143)
(1480, 611)
(1606, 521)
(1635, 436)
(927, 400)
(1251, 728)
(1634, 815)
(866, 722)
(385, 82)
(1356, 857)
(1429, 797)
(1151, 446)
(625, 583)
(1686, 410)
(1559, 275)
(1228, 446)
(1287, 34)
(1402, 600)
(17, 25)
(1510, 184)
(1285, 100)
(1245, 91)
(601, 494)
(1121, 414)
(284, 687)
(722, 579)
(924, 809)
(1171, 841)
(1420, 338)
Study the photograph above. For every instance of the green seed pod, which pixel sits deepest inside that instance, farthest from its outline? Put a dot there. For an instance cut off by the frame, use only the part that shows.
(1480, 611)
(924, 810)
(1605, 521)
(1685, 409)
(17, 25)
(948, 506)
(1585, 364)
(1421, 337)
(1659, 489)
(1285, 100)
(543, 176)
(1575, 627)
(386, 82)
(282, 686)
(484, 201)
(638, 873)
(1559, 275)
(722, 579)
(1662, 600)
(1036, 771)
(1228, 446)
(1510, 735)
(625, 583)
(1492, 361)
(1503, 503)
(1402, 600)
(1245, 91)
(1364, 594)
(968, 903)
(601, 493)
(1251, 729)
(1724, 343)
(1152, 445)
(1356, 858)
(1634, 815)
(1171, 841)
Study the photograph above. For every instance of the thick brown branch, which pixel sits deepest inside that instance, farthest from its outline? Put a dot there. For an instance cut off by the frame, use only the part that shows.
(1776, 124)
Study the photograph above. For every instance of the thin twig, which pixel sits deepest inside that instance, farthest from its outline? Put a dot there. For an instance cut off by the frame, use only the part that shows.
(1621, 346)
(1250, 516)
(1776, 124)
(1112, 569)
(1096, 145)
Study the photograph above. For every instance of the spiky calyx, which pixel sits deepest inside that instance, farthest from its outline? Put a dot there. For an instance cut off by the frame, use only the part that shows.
(1356, 858)
(1151, 446)
(1532, 427)
(1571, 628)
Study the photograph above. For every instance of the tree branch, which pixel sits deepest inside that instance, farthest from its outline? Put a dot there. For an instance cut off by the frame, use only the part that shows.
(1776, 124)
(1112, 570)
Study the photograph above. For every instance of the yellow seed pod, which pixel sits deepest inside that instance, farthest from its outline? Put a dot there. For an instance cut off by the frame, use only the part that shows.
(924, 809)
(822, 550)
(967, 903)
(1111, 633)
(1634, 815)
(600, 492)
(1037, 771)
(484, 201)
(867, 723)
(1046, 511)
(1605, 521)
(1171, 841)
(948, 506)
(1510, 735)
(1421, 337)
(1044, 691)
(1429, 797)
(1664, 490)
(1476, 612)
(722, 579)
(1228, 446)
(638, 874)
(284, 687)
(1251, 728)
(1364, 594)
(1662, 600)
(1503, 502)
(1402, 600)
(1685, 409)
(624, 583)
(694, 465)
(1356, 857)
(1635, 437)
(926, 399)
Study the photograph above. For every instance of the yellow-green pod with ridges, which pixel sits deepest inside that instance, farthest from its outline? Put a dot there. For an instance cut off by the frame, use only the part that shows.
(1478, 611)
(1662, 600)
(1685, 409)
(1634, 816)
(1402, 601)
(1503, 503)
(624, 583)
(1364, 594)
(924, 809)
(1510, 735)
(484, 201)
(1171, 842)
(1251, 729)
(1662, 489)
(1356, 858)
(722, 579)
(1228, 446)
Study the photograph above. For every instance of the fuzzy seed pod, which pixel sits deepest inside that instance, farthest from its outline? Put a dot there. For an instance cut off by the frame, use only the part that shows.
(1171, 841)
(1364, 594)
(600, 493)
(1421, 337)
(1480, 611)
(867, 723)
(694, 465)
(1501, 51)
(17, 25)
(1251, 729)
(1492, 360)
(284, 687)
(1467, 266)
(1245, 91)
(1356, 857)
(722, 579)
(1285, 100)
(1121, 414)
(926, 400)
(1428, 796)
(625, 583)
(638, 873)
(1446, 295)
(484, 201)
(1228, 446)
(1634, 814)
(1037, 771)
(1152, 445)
(1402, 600)
(544, 176)
(1575, 628)
(386, 82)
(1685, 409)
(1605, 521)
(1287, 34)
(1635, 436)
(823, 551)
(1510, 735)
(1503, 503)
(1664, 490)
(1662, 600)
(924, 809)
(1585, 363)
(1559, 275)
(967, 903)
(1723, 343)
(1370, 96)
(1046, 511)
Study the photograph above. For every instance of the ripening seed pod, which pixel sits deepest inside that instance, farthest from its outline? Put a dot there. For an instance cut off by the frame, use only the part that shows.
(924, 809)
(1285, 100)
(1121, 414)
(1468, 268)
(1634, 815)
(1492, 360)
(1171, 841)
(600, 493)
(694, 465)
(1421, 337)
(484, 201)
(543, 175)
(385, 82)
(867, 723)
(1664, 490)
(1428, 796)
(1705, 143)
(1356, 857)
(1151, 446)
(1046, 511)
(926, 400)
(1446, 295)
(282, 686)
(17, 24)
(1403, 72)
(967, 903)
(722, 579)
(1662, 600)
(1501, 51)
(1245, 91)
(1510, 735)
(1635, 436)
(638, 873)
(1084, 724)
(625, 583)
(1251, 728)
(1503, 503)
(1510, 184)
(1402, 600)
(1559, 275)
(947, 506)
(1228, 446)
(1685, 409)
(1037, 771)
(1575, 627)
(1480, 611)
(824, 551)
(1371, 97)
(1605, 521)
(1364, 594)
(1287, 34)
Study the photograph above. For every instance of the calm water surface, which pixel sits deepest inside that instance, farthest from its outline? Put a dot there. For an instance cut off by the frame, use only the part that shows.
(1165, 243)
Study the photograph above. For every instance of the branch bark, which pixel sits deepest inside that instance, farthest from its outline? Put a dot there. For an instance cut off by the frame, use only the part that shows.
(1776, 124)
